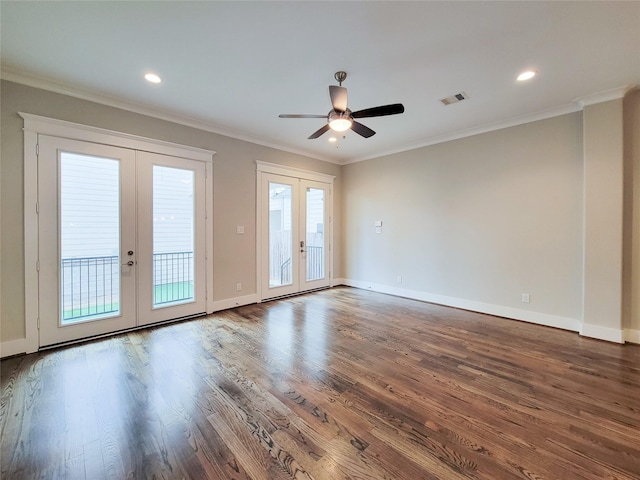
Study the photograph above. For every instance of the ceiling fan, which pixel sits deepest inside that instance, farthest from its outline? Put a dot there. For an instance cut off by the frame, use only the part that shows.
(340, 118)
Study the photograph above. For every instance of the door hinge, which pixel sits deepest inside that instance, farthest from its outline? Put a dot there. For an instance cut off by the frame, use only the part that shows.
(37, 207)
(37, 149)
(38, 320)
(37, 265)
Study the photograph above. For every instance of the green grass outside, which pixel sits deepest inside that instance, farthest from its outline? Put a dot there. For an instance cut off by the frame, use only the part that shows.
(172, 292)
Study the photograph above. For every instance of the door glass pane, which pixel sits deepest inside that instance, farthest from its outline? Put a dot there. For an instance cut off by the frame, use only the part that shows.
(89, 238)
(173, 236)
(280, 235)
(315, 234)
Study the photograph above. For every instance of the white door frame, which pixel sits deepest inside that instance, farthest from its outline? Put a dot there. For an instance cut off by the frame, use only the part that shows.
(262, 236)
(35, 125)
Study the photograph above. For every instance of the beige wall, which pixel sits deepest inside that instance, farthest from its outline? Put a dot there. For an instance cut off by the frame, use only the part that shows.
(234, 190)
(477, 221)
(536, 209)
(631, 264)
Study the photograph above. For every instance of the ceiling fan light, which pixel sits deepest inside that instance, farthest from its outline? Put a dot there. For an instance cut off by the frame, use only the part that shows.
(339, 122)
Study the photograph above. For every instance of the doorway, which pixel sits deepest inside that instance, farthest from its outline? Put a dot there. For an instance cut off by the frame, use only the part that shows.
(121, 238)
(294, 231)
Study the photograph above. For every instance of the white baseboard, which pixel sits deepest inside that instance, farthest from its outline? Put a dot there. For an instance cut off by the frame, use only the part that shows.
(602, 333)
(338, 281)
(233, 302)
(632, 336)
(555, 321)
(13, 347)
(16, 347)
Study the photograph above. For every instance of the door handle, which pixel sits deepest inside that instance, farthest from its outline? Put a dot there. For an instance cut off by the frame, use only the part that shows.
(130, 263)
(301, 246)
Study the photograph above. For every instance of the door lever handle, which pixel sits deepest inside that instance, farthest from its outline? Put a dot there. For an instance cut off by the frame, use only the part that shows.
(130, 263)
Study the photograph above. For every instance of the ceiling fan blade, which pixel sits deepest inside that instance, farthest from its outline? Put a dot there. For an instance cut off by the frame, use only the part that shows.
(300, 115)
(381, 111)
(319, 132)
(362, 130)
(338, 98)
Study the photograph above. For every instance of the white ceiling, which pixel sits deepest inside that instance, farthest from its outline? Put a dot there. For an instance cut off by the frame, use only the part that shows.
(232, 67)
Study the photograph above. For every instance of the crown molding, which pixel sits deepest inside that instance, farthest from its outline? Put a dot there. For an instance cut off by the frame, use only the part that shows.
(490, 127)
(43, 83)
(578, 104)
(605, 96)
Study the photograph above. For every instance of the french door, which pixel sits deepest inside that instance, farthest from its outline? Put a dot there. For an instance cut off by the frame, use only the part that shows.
(295, 235)
(121, 238)
(171, 238)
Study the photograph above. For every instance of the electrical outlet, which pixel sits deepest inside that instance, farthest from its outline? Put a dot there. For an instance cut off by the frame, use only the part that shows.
(399, 279)
(525, 298)
(238, 287)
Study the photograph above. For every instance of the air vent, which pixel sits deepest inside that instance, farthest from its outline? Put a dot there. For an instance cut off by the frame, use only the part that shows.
(458, 97)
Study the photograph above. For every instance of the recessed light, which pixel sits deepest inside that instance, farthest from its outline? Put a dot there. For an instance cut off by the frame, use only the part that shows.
(333, 139)
(153, 78)
(526, 75)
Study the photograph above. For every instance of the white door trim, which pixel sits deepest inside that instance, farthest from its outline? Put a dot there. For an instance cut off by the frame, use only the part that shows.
(36, 124)
(294, 172)
(87, 133)
(261, 236)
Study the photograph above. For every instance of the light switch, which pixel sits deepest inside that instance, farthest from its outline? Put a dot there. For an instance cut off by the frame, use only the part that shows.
(240, 229)
(378, 223)
(378, 229)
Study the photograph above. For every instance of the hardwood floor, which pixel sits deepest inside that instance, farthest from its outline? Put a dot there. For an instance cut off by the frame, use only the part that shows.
(337, 384)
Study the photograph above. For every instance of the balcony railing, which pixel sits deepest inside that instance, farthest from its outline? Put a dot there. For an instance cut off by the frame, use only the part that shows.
(90, 286)
(172, 277)
(315, 266)
(315, 263)
(285, 272)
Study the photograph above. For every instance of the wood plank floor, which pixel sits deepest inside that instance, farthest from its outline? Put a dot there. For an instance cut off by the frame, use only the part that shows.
(338, 384)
